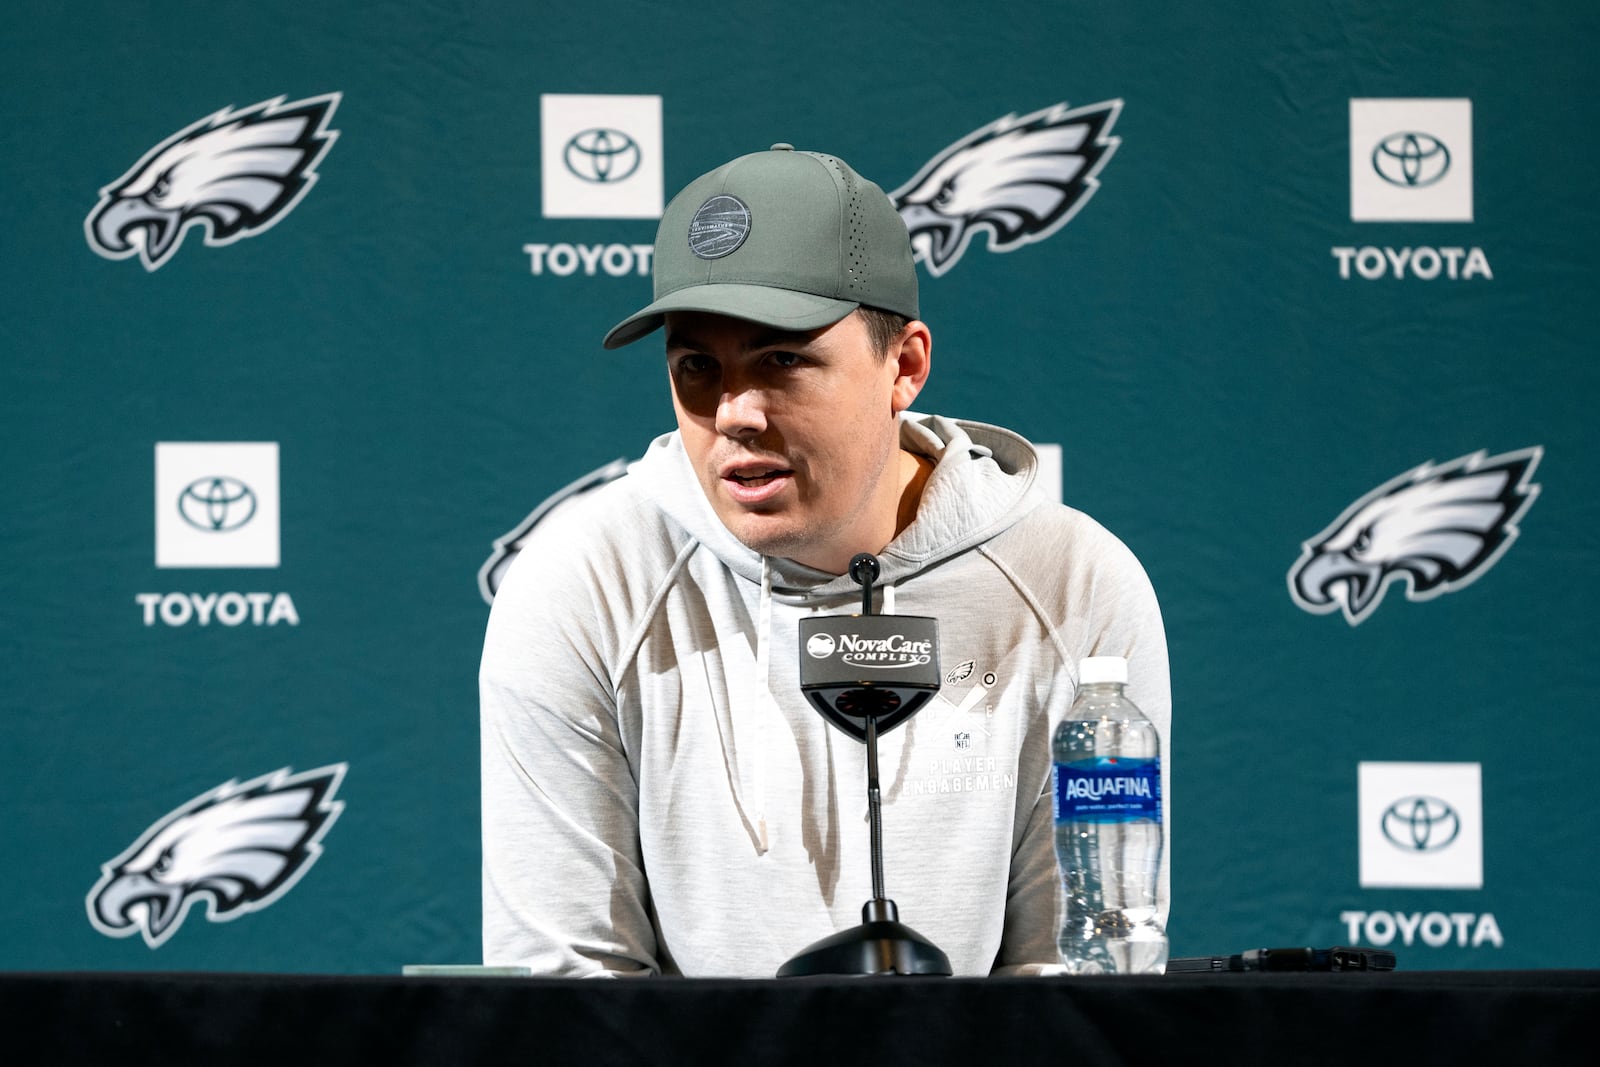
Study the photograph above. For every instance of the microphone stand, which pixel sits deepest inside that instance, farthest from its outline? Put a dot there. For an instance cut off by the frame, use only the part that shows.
(882, 944)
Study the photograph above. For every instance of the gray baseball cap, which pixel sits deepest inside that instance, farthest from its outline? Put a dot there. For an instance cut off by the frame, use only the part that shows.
(794, 240)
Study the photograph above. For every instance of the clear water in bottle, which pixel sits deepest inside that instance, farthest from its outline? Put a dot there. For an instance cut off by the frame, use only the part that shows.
(1108, 828)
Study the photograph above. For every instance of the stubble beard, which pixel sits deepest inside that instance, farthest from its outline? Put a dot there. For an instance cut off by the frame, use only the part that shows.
(798, 535)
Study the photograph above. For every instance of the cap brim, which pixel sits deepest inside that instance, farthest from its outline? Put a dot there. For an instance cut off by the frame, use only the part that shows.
(784, 309)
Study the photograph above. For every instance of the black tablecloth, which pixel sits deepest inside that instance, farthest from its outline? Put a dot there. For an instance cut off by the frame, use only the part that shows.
(1354, 1019)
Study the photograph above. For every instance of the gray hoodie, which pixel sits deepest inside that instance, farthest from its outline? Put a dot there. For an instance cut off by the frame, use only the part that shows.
(658, 796)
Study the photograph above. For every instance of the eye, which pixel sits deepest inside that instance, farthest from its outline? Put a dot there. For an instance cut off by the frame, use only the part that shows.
(786, 359)
(1363, 541)
(693, 363)
(946, 194)
(163, 863)
(162, 187)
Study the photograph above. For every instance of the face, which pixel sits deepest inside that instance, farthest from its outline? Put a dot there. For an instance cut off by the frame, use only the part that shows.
(793, 435)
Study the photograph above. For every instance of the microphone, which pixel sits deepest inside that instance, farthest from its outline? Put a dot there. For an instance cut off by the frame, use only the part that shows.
(866, 674)
(859, 667)
(864, 570)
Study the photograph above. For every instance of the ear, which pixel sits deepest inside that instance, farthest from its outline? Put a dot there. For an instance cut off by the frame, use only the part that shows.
(912, 354)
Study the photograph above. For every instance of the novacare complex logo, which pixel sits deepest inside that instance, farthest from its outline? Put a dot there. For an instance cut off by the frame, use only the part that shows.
(885, 653)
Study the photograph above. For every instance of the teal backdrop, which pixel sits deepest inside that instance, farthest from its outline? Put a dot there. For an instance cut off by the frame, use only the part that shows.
(1321, 246)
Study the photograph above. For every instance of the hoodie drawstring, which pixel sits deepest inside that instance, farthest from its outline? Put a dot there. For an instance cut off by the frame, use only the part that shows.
(767, 707)
(767, 713)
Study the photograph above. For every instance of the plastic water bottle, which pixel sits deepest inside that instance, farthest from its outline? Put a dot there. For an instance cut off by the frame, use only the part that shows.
(1108, 827)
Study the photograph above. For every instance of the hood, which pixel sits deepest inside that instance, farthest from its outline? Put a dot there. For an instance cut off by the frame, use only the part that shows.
(983, 481)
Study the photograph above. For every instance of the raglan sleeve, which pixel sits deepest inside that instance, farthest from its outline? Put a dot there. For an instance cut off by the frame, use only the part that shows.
(564, 888)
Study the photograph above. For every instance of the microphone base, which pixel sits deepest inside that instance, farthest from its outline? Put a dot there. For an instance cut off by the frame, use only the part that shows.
(880, 945)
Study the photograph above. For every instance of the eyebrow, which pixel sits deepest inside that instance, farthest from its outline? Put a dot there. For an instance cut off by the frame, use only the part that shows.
(773, 338)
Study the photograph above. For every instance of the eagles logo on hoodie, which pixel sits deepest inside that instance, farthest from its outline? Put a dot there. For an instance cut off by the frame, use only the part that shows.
(234, 174)
(237, 848)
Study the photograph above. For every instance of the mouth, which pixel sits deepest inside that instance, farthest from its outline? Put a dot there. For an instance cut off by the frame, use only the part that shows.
(755, 483)
(757, 478)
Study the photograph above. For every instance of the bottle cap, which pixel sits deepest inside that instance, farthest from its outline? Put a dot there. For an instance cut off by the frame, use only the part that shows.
(1102, 669)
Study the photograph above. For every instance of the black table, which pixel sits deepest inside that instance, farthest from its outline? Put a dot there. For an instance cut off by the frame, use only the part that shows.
(1351, 1019)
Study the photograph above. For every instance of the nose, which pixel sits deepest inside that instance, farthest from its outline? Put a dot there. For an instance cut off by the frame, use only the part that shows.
(741, 412)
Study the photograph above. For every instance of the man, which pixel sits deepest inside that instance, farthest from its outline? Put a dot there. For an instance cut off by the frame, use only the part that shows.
(657, 794)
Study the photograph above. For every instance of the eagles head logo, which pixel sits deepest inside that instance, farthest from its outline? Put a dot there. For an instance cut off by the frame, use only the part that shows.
(1017, 179)
(238, 848)
(233, 174)
(1437, 529)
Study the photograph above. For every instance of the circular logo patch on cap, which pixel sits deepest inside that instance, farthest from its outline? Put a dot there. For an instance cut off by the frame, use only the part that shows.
(719, 227)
